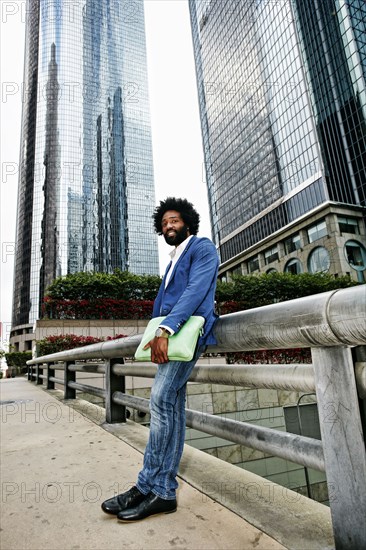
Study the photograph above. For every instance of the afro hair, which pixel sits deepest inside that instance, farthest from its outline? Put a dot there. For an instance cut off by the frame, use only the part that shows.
(189, 215)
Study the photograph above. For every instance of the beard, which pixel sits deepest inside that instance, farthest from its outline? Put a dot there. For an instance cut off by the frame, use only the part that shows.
(178, 237)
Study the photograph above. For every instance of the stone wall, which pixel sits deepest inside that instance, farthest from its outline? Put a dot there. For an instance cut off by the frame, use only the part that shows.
(92, 327)
(261, 407)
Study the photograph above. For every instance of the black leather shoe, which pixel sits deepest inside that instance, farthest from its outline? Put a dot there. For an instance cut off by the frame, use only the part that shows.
(129, 499)
(150, 506)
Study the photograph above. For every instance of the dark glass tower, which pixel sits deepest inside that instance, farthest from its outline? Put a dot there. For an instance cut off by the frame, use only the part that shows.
(283, 113)
(86, 189)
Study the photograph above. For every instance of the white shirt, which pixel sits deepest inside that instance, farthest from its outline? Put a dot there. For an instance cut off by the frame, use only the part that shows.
(175, 254)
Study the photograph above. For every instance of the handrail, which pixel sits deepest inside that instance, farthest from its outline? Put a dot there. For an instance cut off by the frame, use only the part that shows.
(121, 347)
(332, 318)
(330, 324)
(285, 377)
(328, 319)
(294, 377)
(301, 450)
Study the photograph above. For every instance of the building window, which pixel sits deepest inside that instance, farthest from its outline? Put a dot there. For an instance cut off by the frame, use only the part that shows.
(292, 243)
(271, 255)
(348, 225)
(271, 270)
(319, 260)
(355, 255)
(317, 231)
(293, 266)
(253, 264)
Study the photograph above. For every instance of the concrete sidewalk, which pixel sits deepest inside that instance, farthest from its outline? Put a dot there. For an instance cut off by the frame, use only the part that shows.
(57, 466)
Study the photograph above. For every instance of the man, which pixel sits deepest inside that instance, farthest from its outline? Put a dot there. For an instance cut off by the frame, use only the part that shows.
(188, 288)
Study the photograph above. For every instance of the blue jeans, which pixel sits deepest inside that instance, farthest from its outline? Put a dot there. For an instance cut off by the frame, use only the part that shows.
(167, 429)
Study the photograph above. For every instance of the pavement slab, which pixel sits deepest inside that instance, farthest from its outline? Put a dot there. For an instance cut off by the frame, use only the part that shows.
(57, 467)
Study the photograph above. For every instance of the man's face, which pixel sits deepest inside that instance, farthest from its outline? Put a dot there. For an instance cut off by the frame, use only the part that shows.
(173, 227)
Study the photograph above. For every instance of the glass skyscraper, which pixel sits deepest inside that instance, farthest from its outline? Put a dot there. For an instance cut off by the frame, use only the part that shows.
(86, 188)
(283, 113)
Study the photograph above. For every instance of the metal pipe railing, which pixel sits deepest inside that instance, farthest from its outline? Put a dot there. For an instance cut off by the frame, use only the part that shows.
(335, 318)
(330, 324)
(360, 370)
(294, 377)
(91, 368)
(56, 380)
(280, 376)
(301, 450)
(99, 392)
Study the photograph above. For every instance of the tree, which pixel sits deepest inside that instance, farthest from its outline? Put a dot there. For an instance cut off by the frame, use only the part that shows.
(18, 360)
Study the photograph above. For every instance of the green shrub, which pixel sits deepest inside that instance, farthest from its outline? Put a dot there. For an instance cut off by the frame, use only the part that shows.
(124, 295)
(93, 295)
(18, 358)
(104, 308)
(250, 291)
(119, 285)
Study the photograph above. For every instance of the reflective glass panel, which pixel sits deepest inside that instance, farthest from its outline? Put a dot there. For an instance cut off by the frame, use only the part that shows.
(319, 260)
(294, 266)
(348, 225)
(86, 182)
(356, 255)
(317, 231)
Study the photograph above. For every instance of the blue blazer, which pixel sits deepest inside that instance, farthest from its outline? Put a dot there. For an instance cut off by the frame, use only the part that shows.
(191, 288)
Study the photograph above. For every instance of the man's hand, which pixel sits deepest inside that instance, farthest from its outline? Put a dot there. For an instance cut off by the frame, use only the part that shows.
(159, 350)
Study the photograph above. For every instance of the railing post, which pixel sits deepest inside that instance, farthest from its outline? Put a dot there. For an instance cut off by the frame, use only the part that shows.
(359, 356)
(39, 371)
(50, 372)
(113, 411)
(344, 450)
(70, 376)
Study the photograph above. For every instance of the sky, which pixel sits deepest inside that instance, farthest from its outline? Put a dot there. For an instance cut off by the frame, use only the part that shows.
(176, 133)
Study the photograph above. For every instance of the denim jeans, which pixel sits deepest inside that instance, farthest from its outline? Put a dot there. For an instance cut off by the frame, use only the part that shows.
(167, 429)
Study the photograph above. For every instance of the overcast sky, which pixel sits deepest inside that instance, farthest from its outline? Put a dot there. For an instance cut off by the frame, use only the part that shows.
(177, 146)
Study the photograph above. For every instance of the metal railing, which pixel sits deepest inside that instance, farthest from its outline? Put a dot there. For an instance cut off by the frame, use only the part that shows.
(331, 324)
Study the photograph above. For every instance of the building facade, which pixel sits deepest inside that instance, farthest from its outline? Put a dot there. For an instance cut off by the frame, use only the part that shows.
(283, 113)
(86, 187)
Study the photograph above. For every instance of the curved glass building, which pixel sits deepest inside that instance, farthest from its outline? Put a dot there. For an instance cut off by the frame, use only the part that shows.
(86, 188)
(283, 113)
